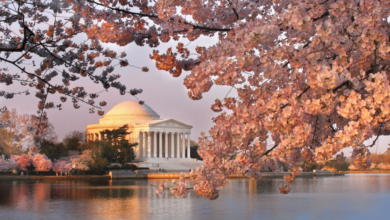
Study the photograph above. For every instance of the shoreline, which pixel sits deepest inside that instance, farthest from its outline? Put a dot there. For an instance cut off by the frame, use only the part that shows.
(365, 172)
(73, 177)
(155, 176)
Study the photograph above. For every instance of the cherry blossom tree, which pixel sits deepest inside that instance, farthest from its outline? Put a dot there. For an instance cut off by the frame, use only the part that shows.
(81, 161)
(22, 161)
(61, 166)
(380, 161)
(383, 166)
(352, 167)
(43, 45)
(6, 165)
(17, 131)
(15, 134)
(41, 162)
(311, 76)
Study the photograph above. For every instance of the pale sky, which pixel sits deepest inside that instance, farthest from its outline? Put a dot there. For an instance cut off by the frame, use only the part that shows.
(163, 93)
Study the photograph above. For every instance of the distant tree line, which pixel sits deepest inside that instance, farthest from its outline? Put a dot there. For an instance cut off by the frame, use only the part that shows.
(114, 148)
(74, 151)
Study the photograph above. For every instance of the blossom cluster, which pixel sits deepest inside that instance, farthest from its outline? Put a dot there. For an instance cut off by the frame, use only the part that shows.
(41, 163)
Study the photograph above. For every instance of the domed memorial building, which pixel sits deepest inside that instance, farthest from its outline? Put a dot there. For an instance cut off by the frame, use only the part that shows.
(162, 143)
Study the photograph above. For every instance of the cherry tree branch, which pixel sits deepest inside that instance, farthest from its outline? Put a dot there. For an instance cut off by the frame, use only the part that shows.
(25, 38)
(234, 10)
(345, 83)
(322, 16)
(30, 74)
(314, 133)
(269, 150)
(379, 133)
(156, 16)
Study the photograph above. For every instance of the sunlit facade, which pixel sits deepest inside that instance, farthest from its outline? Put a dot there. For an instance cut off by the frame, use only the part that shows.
(157, 138)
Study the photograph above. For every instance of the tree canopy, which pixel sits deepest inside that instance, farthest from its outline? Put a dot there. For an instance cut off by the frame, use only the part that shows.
(117, 140)
(53, 151)
(312, 76)
(75, 141)
(17, 131)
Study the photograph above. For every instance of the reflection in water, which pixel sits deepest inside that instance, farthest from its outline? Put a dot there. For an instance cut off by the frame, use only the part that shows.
(344, 197)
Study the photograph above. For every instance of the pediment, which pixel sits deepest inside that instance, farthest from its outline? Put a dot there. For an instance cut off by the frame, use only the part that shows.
(169, 123)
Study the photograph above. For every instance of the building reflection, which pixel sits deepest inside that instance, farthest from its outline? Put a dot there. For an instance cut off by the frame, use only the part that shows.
(118, 199)
(135, 199)
(241, 198)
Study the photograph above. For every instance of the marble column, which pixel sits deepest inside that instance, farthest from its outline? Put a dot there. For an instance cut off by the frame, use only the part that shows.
(177, 145)
(136, 148)
(145, 148)
(183, 145)
(172, 145)
(149, 146)
(166, 145)
(154, 144)
(141, 144)
(188, 145)
(160, 145)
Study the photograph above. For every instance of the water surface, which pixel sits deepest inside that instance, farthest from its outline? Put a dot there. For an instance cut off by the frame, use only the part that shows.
(365, 196)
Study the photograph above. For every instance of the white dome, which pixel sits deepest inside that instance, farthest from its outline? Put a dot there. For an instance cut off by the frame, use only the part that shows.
(129, 112)
(132, 108)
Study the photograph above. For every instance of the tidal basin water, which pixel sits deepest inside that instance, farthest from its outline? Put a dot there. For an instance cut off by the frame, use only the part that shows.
(355, 196)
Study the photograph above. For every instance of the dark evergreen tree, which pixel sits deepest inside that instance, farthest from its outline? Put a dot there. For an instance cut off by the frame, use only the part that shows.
(75, 141)
(53, 150)
(119, 143)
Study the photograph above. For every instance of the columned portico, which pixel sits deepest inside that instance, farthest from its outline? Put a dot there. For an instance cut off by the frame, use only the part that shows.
(157, 144)
(160, 141)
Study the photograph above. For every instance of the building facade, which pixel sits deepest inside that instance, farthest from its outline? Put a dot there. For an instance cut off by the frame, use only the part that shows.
(157, 138)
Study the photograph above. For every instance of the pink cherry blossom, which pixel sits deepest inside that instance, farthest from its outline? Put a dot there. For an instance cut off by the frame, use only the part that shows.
(160, 188)
(80, 161)
(61, 166)
(41, 162)
(7, 165)
(22, 161)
